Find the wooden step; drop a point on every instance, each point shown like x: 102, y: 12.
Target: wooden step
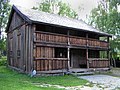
x: 84, y: 73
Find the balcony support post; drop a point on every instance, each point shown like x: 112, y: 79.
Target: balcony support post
x: 87, y: 58
x: 68, y: 50
x: 87, y: 61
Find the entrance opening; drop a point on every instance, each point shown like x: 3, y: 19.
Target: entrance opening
x: 78, y: 58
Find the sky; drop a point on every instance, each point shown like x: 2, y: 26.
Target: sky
x: 82, y: 7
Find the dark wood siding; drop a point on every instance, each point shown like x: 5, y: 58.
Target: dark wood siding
x: 20, y: 44
x: 44, y: 59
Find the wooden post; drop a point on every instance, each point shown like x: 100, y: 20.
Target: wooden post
x: 68, y: 56
x: 87, y: 58
x: 33, y: 46
x: 87, y: 51
x: 108, y: 51
x: 68, y: 51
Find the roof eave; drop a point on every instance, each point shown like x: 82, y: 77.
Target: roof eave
x: 36, y: 22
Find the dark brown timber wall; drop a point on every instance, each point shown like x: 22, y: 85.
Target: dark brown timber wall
x: 20, y: 44
x: 44, y: 59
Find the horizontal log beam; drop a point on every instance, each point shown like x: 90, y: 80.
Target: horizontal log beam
x: 97, y: 59
x: 51, y: 59
x: 52, y: 71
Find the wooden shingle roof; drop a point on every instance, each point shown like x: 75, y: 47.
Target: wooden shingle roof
x: 34, y: 16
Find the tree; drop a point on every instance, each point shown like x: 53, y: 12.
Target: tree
x: 57, y: 7
x: 2, y: 46
x: 4, y: 13
x: 107, y: 18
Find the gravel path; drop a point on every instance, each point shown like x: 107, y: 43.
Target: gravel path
x: 105, y: 82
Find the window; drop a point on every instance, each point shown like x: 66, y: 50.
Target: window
x: 60, y: 52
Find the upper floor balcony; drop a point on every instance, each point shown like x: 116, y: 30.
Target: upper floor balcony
x: 53, y: 38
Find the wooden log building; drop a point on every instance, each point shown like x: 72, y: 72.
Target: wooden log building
x: 49, y: 43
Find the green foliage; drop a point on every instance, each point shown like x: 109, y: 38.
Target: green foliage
x: 2, y: 46
x: 3, y: 61
x: 57, y: 7
x: 4, y: 13
x: 9, y: 78
x: 107, y: 18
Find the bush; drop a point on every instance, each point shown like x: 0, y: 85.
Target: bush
x: 3, y: 61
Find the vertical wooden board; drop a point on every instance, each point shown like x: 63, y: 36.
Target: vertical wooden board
x: 53, y: 64
x: 48, y: 38
x: 14, y: 49
x: 41, y: 52
x: 34, y: 65
x: 53, y: 52
x: 45, y: 65
x: 41, y: 65
x: 30, y: 49
x: 50, y: 64
x: 48, y: 55
x: 52, y: 38
x: 34, y: 52
x: 46, y: 52
x: 38, y: 65
x: 37, y: 36
x: 38, y: 52
x: 41, y: 37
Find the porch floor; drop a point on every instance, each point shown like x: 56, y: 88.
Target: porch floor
x: 82, y: 70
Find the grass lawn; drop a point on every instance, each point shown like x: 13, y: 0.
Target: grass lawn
x: 11, y: 80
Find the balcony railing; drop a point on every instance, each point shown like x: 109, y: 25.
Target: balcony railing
x: 51, y: 38
x: 98, y: 62
x: 78, y: 41
x: 73, y: 40
x: 97, y: 43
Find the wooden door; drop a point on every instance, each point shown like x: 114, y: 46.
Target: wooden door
x: 78, y: 58
x: 11, y: 51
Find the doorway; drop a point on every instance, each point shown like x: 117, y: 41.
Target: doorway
x: 78, y: 58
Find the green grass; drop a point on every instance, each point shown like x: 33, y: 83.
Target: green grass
x: 11, y: 80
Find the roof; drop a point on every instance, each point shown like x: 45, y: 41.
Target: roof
x: 34, y: 16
